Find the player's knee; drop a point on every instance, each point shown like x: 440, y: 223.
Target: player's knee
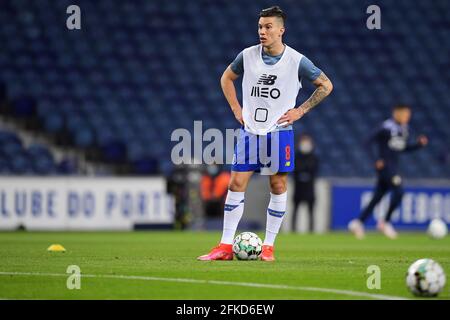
x: 278, y: 187
x: 237, y: 184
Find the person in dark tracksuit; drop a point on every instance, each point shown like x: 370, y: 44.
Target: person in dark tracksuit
x: 390, y: 139
x: 306, y: 167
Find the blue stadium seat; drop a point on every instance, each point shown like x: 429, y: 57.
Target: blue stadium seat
x: 41, y: 159
x: 20, y: 163
x: 24, y: 107
x: 3, y: 93
x: 4, y: 165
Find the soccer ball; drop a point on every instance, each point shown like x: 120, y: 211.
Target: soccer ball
x: 247, y: 246
x: 437, y: 229
x: 425, y: 278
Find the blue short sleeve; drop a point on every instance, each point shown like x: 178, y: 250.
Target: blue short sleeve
x: 307, y: 70
x: 237, y: 66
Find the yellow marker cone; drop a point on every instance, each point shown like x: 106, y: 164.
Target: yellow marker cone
x: 56, y: 248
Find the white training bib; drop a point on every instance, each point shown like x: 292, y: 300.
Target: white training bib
x: 268, y: 91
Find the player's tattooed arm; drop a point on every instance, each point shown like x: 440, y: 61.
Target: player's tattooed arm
x: 323, y: 89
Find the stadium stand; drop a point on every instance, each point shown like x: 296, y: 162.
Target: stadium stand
x: 137, y: 70
x: 35, y: 159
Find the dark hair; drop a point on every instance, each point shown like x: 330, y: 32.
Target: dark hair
x: 274, y: 11
x: 401, y: 107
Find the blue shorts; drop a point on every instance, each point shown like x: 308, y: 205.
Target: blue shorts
x: 268, y: 154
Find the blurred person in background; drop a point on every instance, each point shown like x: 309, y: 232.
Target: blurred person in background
x: 390, y: 139
x: 213, y: 190
x: 184, y: 184
x: 178, y: 186
x: 306, y: 168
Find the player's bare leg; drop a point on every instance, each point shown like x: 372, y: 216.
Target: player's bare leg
x: 239, y: 180
x: 275, y: 213
x: 234, y: 208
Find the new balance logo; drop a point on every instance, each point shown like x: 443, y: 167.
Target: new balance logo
x: 267, y: 80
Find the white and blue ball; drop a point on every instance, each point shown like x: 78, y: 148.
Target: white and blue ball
x: 247, y: 246
x: 425, y: 278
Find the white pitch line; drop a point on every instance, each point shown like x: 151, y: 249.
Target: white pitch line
x: 215, y: 282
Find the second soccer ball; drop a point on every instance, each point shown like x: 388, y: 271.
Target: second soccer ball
x: 437, y: 229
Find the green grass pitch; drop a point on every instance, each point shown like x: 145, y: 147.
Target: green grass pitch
x: 162, y: 265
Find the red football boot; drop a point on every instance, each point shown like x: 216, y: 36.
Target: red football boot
x: 221, y: 252
x: 267, y: 253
